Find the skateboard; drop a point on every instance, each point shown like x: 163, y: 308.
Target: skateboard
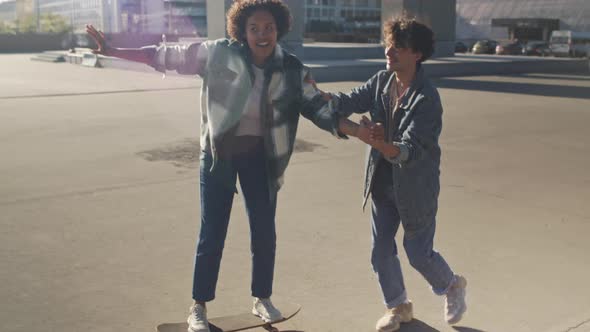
x: 237, y: 322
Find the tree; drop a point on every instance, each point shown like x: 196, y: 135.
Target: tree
x: 26, y: 24
x: 53, y: 23
x: 7, y: 28
x: 48, y: 23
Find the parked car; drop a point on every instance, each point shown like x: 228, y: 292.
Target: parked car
x: 512, y: 48
x: 540, y: 48
x: 485, y: 46
x: 460, y: 47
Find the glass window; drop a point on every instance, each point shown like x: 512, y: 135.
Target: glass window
x: 560, y: 40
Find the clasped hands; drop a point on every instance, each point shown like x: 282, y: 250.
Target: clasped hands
x: 372, y: 133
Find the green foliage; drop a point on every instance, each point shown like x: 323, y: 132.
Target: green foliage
x: 26, y: 24
x: 53, y: 23
x: 48, y: 23
x: 7, y: 28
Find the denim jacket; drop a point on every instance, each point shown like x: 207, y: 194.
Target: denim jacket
x: 416, y: 170
x: 225, y: 67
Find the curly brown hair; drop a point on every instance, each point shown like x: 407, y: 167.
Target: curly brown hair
x: 408, y: 33
x: 240, y: 10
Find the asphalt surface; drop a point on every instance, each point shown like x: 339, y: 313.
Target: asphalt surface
x: 99, y: 207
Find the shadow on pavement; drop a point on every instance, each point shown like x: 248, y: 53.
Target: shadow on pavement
x: 475, y: 57
x: 568, y: 76
x: 417, y: 325
x: 466, y: 329
x: 548, y: 90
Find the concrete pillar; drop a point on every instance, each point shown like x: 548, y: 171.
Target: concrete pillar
x: 440, y: 15
x: 545, y: 33
x: 155, y: 23
x: 292, y: 42
x: 116, y: 15
x: 216, y: 10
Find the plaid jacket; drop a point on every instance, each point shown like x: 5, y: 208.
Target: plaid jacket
x: 225, y: 67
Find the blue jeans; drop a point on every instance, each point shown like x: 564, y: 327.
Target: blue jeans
x: 418, y: 243
x: 217, y: 192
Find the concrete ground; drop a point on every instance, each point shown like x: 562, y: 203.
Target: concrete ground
x: 99, y: 207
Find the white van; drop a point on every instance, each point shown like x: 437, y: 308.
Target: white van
x: 570, y: 43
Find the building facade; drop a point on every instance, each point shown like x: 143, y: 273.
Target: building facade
x: 78, y: 13
x: 8, y: 12
x: 342, y: 11
x: 190, y: 16
x: 170, y: 16
x: 133, y: 16
x: 520, y: 19
x: 343, y: 17
x: 476, y: 19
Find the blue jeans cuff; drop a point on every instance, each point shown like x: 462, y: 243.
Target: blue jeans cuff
x: 444, y: 291
x: 397, y: 301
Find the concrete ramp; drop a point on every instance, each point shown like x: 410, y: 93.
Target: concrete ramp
x: 90, y: 60
x: 49, y: 57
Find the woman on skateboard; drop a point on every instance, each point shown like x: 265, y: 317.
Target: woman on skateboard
x: 251, y: 97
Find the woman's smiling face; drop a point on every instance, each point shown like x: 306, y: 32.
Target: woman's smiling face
x: 261, y: 35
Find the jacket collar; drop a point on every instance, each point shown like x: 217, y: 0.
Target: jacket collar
x: 415, y: 88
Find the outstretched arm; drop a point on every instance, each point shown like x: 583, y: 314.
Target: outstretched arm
x: 316, y: 105
x: 185, y: 59
x: 360, y: 100
x: 367, y: 131
x: 142, y: 55
x: 371, y: 133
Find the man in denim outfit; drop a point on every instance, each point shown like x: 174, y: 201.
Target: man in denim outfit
x: 402, y: 173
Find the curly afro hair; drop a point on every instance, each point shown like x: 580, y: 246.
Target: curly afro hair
x: 409, y: 33
x: 240, y: 10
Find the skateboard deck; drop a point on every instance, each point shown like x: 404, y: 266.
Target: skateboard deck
x: 237, y: 322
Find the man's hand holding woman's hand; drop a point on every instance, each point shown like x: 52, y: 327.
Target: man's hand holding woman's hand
x: 371, y: 132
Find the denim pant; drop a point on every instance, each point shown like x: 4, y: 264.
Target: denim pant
x: 418, y: 243
x: 217, y: 192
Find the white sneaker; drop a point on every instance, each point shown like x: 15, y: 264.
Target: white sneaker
x: 197, y: 319
x: 264, y: 309
x: 392, y: 319
x: 455, y: 305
